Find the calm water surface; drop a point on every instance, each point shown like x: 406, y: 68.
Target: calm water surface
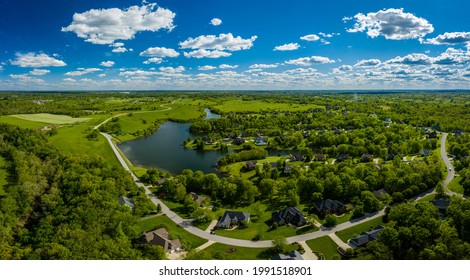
x: 163, y: 149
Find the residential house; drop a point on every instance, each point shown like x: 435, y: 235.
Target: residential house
x: 250, y: 165
x: 288, y: 168
x: 290, y: 215
x: 380, y: 192
x: 367, y: 157
x: 458, y: 132
x: 126, y: 201
x: 238, y: 141
x: 320, y: 157
x: 162, y: 238
x: 432, y: 135
x: 366, y: 236
x: 233, y: 218
x: 305, y: 135
x: 342, y: 157
x: 329, y: 206
x: 297, y: 157
x: 260, y: 141
x: 197, y: 198
x: 161, y: 181
x: 425, y: 153
x: 441, y: 205
x: 293, y: 255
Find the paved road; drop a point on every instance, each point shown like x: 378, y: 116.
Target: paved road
x: 445, y: 158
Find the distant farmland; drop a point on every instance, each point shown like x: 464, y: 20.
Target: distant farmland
x: 51, y: 119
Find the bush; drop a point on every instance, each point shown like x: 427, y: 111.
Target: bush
x: 330, y: 220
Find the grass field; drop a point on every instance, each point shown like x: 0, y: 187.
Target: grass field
x: 3, y: 175
x: 230, y: 252
x: 51, y: 119
x: 326, y: 246
x: 354, y: 231
x: 173, y: 229
x: 261, y: 225
x: 428, y: 198
x: 455, y: 186
x: 258, y: 106
x: 22, y: 123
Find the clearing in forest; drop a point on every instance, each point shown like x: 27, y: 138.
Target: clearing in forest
x: 51, y: 119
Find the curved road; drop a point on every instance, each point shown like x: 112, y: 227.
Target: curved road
x: 449, y: 167
x: 226, y: 240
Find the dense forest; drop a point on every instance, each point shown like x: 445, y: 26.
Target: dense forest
x: 57, y: 207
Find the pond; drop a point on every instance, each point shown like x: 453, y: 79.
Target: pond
x: 163, y: 149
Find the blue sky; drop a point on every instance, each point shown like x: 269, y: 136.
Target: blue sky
x: 238, y: 45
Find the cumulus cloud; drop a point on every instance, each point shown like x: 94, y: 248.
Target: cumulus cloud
x: 206, y: 68
x: 205, y: 53
x: 36, y: 60
x: 307, y: 61
x: 39, y: 72
x: 226, y: 66
x: 411, y: 59
x: 102, y: 75
x: 178, y: 69
x: 393, y: 24
x: 82, y: 71
x: 220, y: 43
x: 452, y: 57
x: 156, y: 60
x: 216, y: 21
x: 264, y: 66
x: 287, y: 47
x: 104, y: 26
x: 108, y: 63
x: 330, y: 35
x: 311, y: 37
x: 449, y: 38
x: 367, y: 63
x: 160, y: 52
x: 121, y: 50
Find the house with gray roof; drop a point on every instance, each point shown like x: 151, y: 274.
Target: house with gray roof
x: 290, y: 215
x: 126, y: 201
x: 233, y: 218
x: 366, y: 236
x: 161, y: 237
x: 293, y: 255
x: 329, y: 206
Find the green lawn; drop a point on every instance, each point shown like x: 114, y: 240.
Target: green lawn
x: 3, y: 175
x: 262, y: 225
x: 22, y: 123
x: 229, y: 252
x: 258, y: 106
x: 455, y: 185
x: 428, y: 198
x: 326, y: 246
x: 354, y: 231
x: 341, y: 219
x: 173, y: 229
x: 72, y: 140
x: 50, y: 119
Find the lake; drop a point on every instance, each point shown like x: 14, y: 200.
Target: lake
x: 163, y: 149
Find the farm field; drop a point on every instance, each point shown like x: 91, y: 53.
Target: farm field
x: 50, y: 119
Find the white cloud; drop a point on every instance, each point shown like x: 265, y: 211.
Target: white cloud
x: 311, y: 37
x: 411, y: 59
x: 121, y: 50
x: 205, y: 53
x: 104, y: 26
x: 287, y: 47
x: 307, y: 61
x: 39, y: 72
x: 206, y: 68
x: 329, y: 35
x: 108, y: 63
x: 178, y: 69
x: 216, y: 21
x: 367, y: 63
x: 82, y: 71
x: 1, y: 67
x: 156, y: 60
x: 451, y: 57
x: 160, y: 52
x: 264, y: 66
x: 102, y: 75
x: 220, y: 43
x: 226, y: 66
x: 69, y: 80
x: 451, y: 38
x: 393, y: 24
x: 36, y: 60
x: 25, y: 79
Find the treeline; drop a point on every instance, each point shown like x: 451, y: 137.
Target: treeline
x: 254, y: 154
x: 417, y: 231
x: 459, y: 147
x: 57, y: 207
